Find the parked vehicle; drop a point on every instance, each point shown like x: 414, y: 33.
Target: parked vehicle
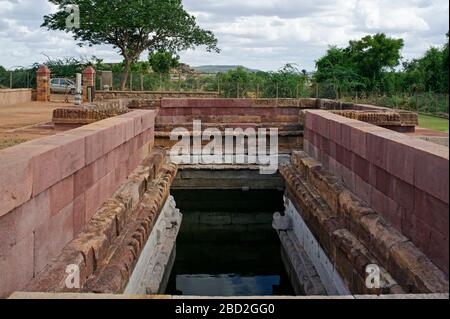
x: 60, y: 85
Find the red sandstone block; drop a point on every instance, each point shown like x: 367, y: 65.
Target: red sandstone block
x: 99, y: 193
x: 178, y: 103
x: 83, y: 180
x: 325, y: 145
x: 324, y: 127
x: 137, y: 117
x: 346, y: 136
x: 339, y: 153
x: 20, y: 222
x: 309, y: 121
x: 333, y: 150
x: 61, y: 195
x: 361, y: 168
x: 417, y: 231
x: 16, y: 265
x: 384, y: 182
x: 335, y: 132
x: 348, y: 178
x: 207, y: 103
x: 121, y: 174
x: 431, y: 174
x: 431, y: 211
x: 149, y: 136
x: 102, y: 166
x: 52, y: 236
x: 16, y: 180
x: 307, y: 134
x: 403, y: 193
x: 79, y: 214
x: 394, y: 214
x: 358, y: 141
x: 347, y: 158
x: 148, y: 120
x: 376, y: 150
x: 362, y: 189
x: 98, y: 143
x: 64, y: 156
x: 400, y: 160
x: 380, y: 203
x: 438, y: 250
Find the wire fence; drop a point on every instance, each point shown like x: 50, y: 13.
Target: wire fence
x: 18, y: 79
x: 424, y: 102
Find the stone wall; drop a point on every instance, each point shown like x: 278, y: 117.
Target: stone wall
x: 89, y: 113
x: 234, y: 113
x: 109, y: 247
x: 14, y: 96
x: 51, y: 187
x: 393, y: 119
x: 347, y: 235
x: 404, y: 179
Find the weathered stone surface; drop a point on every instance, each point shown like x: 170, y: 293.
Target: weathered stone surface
x: 110, y: 243
x: 360, y: 236
x: 415, y: 272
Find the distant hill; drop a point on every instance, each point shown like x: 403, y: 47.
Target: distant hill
x: 219, y: 68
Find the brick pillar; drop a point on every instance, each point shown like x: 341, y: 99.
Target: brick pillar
x: 43, y: 84
x: 88, y: 80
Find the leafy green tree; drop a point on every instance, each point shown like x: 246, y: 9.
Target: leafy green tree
x: 237, y: 82
x: 374, y: 54
x: 286, y: 83
x: 162, y: 61
x: 337, y: 70
x: 132, y: 27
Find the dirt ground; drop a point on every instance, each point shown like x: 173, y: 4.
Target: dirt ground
x: 23, y: 122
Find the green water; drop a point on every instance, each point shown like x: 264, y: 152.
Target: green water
x: 227, y: 247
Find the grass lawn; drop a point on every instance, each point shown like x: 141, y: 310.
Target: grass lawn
x: 433, y: 123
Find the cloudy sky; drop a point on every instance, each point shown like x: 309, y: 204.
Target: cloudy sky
x: 262, y: 34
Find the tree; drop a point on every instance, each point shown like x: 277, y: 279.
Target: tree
x: 337, y: 70
x: 132, y: 27
x: 373, y: 54
x: 163, y: 61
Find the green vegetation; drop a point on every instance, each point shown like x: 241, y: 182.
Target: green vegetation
x: 132, y: 27
x: 220, y: 68
x: 433, y: 123
x: 163, y: 61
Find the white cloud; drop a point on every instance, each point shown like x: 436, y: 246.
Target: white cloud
x: 262, y: 34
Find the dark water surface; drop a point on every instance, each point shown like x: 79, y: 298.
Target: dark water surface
x: 227, y: 247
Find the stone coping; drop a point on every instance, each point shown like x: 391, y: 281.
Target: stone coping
x: 14, y: 90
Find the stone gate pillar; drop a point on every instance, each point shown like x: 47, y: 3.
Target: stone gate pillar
x: 88, y: 80
x: 43, y: 84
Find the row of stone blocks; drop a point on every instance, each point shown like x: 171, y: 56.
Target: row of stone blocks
x: 404, y: 179
x: 353, y: 235
x: 50, y: 187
